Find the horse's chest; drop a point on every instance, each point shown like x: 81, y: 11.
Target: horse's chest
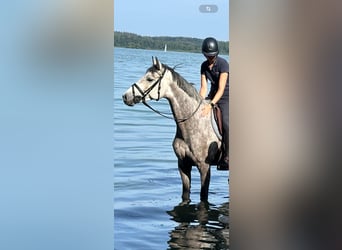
x: 193, y: 141
x: 193, y: 148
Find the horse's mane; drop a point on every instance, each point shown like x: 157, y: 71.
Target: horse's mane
x: 184, y: 84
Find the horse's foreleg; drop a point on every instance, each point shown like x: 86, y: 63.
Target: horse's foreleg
x: 205, y: 180
x: 185, y: 173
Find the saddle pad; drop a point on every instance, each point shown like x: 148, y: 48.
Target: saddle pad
x: 216, y: 122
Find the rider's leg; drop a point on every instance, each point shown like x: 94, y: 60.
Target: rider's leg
x: 224, y: 106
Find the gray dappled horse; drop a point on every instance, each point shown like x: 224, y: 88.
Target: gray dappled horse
x: 195, y: 143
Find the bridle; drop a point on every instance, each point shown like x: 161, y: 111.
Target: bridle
x: 147, y: 92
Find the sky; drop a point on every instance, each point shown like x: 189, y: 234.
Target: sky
x: 173, y: 18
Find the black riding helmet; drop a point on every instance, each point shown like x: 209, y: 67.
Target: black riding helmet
x: 210, y: 47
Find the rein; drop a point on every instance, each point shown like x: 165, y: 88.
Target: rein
x: 171, y: 117
x: 147, y: 91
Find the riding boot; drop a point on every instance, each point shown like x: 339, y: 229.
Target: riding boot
x: 223, y: 163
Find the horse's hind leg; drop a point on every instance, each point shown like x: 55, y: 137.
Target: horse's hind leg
x: 185, y: 173
x: 205, y: 181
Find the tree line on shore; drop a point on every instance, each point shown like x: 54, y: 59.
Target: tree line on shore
x: 182, y: 44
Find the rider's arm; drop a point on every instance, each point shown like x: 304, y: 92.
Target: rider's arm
x: 204, y: 86
x: 222, y: 84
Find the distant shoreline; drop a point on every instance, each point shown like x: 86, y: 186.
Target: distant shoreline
x: 180, y: 44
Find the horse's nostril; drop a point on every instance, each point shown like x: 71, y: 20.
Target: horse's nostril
x: 137, y: 99
x: 124, y: 97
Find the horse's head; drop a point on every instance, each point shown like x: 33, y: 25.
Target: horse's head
x: 149, y: 87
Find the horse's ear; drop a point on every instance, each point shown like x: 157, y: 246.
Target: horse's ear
x: 158, y: 64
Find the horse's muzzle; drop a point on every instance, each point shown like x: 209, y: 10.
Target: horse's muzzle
x: 127, y: 101
x: 130, y: 100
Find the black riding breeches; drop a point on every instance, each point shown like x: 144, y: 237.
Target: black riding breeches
x: 224, y: 106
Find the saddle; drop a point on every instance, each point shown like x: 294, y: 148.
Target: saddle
x: 216, y: 121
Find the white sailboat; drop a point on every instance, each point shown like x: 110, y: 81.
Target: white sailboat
x: 165, y: 48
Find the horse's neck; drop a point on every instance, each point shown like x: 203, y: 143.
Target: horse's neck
x: 182, y: 105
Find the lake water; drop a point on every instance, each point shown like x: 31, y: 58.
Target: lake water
x: 147, y: 185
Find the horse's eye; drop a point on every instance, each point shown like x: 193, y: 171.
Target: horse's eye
x: 149, y: 79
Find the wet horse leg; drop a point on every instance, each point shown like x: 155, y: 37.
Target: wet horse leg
x: 205, y: 181
x: 185, y: 173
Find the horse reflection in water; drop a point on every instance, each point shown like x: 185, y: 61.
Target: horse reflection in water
x: 199, y: 227
x: 195, y: 143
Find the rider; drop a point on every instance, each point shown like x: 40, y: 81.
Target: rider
x: 216, y: 70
